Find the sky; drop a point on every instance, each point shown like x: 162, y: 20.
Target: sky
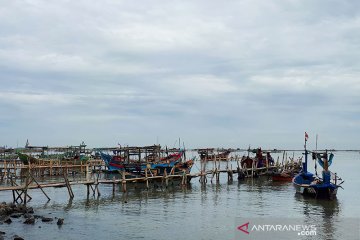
x: 212, y: 73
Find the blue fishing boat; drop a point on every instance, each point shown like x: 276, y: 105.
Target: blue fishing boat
x: 114, y: 164
x: 158, y: 166
x: 309, y: 184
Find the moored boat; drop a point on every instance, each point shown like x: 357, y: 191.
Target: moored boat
x: 27, y: 159
x: 309, y: 184
x: 171, y: 163
x: 283, y: 177
x: 287, y: 172
x: 208, y: 154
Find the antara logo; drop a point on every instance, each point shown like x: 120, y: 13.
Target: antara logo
x: 244, y: 228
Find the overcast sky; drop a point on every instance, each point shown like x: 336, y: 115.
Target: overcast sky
x: 214, y: 73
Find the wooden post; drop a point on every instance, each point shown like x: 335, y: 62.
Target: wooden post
x: 5, y: 168
x: 71, y: 194
x: 146, y: 178
x: 123, y: 182
x: 230, y: 175
x: 252, y: 168
x: 15, y: 167
x: 50, y: 169
x: 39, y: 186
x: 166, y: 179
x: 97, y: 184
x: 13, y: 191
x: 27, y: 184
x: 113, y: 185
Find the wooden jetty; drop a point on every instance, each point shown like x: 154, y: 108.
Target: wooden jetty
x: 20, y: 193
x: 15, y: 168
x: 11, y: 169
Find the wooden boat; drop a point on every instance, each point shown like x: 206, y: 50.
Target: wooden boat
x: 260, y: 160
x: 287, y: 173
x: 26, y: 159
x: 133, y: 168
x: 76, y: 160
x: 309, y: 184
x: 209, y: 155
x: 117, y: 163
x: 283, y: 176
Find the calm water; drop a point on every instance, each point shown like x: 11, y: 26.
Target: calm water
x: 198, y: 211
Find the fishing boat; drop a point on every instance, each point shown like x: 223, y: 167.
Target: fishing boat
x: 288, y: 172
x: 27, y: 159
x: 311, y: 185
x: 170, y: 163
x: 62, y: 155
x: 260, y: 160
x: 208, y: 154
x: 285, y: 176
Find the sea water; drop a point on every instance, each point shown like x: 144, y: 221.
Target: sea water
x: 197, y: 211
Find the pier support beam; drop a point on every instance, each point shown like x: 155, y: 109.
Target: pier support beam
x: 68, y: 186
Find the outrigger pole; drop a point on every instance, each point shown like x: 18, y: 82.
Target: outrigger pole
x: 306, y: 153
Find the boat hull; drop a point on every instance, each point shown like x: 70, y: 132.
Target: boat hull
x: 278, y: 178
x: 309, y: 187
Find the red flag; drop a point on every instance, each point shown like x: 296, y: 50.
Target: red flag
x: 306, y: 136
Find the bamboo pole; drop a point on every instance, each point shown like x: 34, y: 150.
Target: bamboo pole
x: 146, y: 178
x: 123, y: 182
x: 113, y: 185
x: 71, y: 194
x: 40, y: 187
x: 50, y: 170
x: 5, y: 169
x: 26, y: 186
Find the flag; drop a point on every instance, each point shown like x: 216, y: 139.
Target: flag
x: 306, y: 136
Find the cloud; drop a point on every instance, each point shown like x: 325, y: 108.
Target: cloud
x: 198, y: 86
x: 245, y: 71
x: 36, y: 98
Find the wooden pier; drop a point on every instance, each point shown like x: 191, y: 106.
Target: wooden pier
x: 16, y: 169
x: 20, y: 193
x: 10, y: 170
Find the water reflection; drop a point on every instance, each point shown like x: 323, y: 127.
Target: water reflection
x: 324, y: 213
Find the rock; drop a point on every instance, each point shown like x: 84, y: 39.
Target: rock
x: 3, y: 212
x: 27, y: 215
x: 8, y: 210
x: 16, y: 215
x: 60, y: 221
x: 8, y: 220
x: 1, y: 232
x: 45, y: 219
x: 30, y: 220
x: 12, y: 205
x: 21, y: 208
x: 16, y: 237
x: 30, y: 210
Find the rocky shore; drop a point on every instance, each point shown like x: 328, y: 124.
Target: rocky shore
x: 10, y: 211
